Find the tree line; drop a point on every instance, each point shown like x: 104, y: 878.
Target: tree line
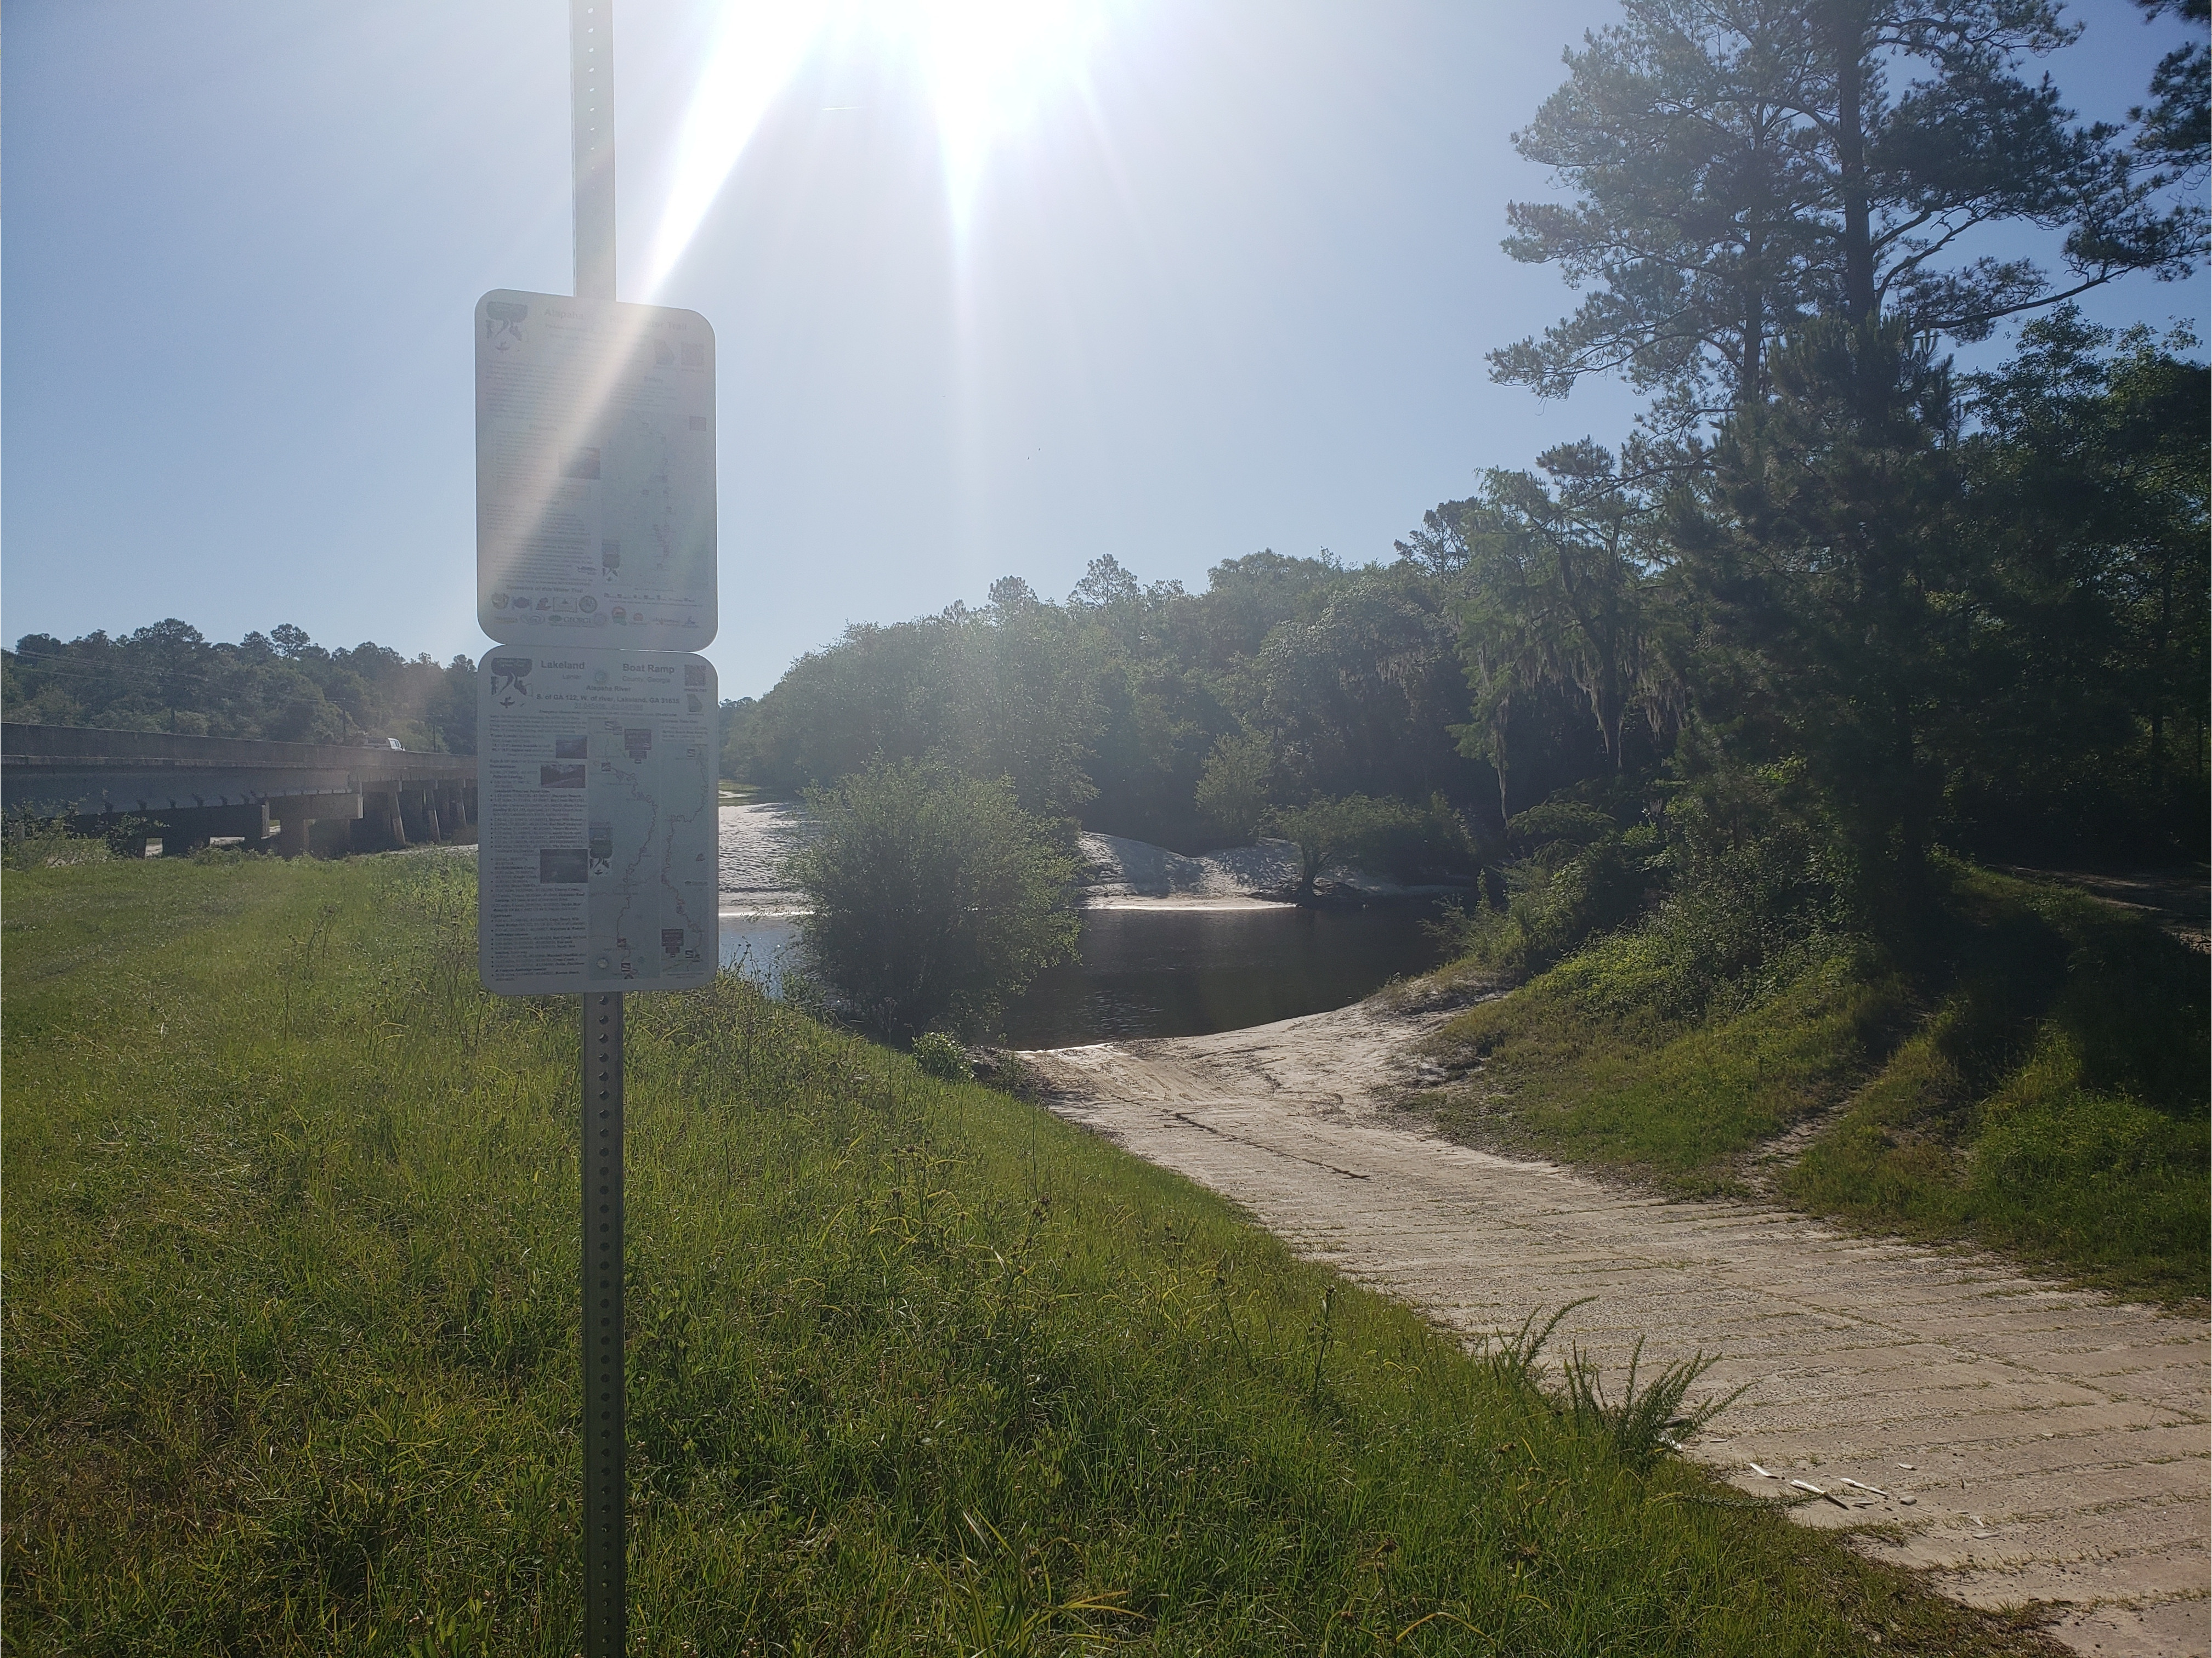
x: 280, y: 686
x: 1973, y: 606
x: 1827, y: 572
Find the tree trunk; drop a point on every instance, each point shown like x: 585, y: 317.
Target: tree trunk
x: 2158, y: 678
x: 1754, y: 321
x: 1849, y: 21
x: 1753, y: 367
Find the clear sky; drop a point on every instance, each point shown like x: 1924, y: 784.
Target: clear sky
x: 998, y: 287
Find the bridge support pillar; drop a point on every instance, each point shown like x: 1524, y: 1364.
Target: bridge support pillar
x: 381, y: 827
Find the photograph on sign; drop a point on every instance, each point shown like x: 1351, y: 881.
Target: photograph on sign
x: 595, y: 473
x: 596, y: 866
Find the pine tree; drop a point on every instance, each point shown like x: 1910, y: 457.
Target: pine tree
x: 1741, y: 166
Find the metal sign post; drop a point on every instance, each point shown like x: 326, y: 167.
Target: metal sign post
x: 596, y: 554
x: 606, y: 1479
x: 595, y: 874
x: 607, y: 1473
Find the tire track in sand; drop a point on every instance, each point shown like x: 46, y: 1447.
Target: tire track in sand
x: 2029, y: 1442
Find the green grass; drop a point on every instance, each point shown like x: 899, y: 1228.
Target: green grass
x: 2037, y: 1084
x: 289, y: 1321
x: 2053, y: 1103
x: 1556, y: 1067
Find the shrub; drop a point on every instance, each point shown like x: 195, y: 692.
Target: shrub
x: 1557, y: 899
x: 1406, y: 842
x: 941, y: 1057
x: 29, y: 842
x: 935, y: 897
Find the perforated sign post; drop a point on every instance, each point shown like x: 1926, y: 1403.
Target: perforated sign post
x: 596, y: 726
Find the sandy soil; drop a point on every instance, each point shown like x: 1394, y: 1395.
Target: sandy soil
x: 756, y: 837
x: 2016, y: 1440
x: 1125, y: 874
x: 1120, y: 868
x: 2179, y: 900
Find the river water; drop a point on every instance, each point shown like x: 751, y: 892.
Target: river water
x: 1166, y: 968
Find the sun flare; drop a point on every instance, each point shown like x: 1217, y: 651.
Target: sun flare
x: 991, y: 67
x: 987, y: 67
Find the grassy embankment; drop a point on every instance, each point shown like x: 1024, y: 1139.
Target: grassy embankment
x: 289, y: 1323
x: 2040, y: 1085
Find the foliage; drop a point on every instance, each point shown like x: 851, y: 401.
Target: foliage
x: 1741, y: 170
x: 1584, y: 1063
x: 1823, y: 560
x: 1555, y: 590
x: 1640, y: 1424
x: 1141, y: 709
x: 291, y: 1321
x: 939, y: 1056
x: 738, y: 723
x: 1002, y: 695
x: 935, y: 897
x: 1555, y: 900
x: 281, y: 686
x: 1973, y: 613
x: 29, y: 843
x: 1997, y: 639
x: 2054, y: 1101
x: 2086, y: 660
x: 1967, y: 612
x: 1407, y: 842
x: 2175, y: 139
x: 1359, y: 698
x: 1234, y: 788
x: 2036, y: 1082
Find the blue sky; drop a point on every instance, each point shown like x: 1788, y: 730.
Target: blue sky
x: 1174, y: 280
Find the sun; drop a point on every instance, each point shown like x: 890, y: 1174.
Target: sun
x: 992, y: 66
x: 988, y: 68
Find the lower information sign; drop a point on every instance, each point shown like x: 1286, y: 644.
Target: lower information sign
x: 596, y: 863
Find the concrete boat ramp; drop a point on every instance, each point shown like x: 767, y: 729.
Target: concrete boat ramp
x: 2017, y: 1440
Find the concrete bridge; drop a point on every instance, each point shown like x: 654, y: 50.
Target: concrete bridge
x: 292, y: 798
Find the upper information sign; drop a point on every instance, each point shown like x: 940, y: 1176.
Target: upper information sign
x: 597, y: 826
x: 595, y: 473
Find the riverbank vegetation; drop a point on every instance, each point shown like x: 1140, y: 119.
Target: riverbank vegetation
x: 1716, y: 723
x: 933, y: 899
x: 1967, y: 610
x: 1733, y: 714
x: 291, y: 1321
x: 2032, y: 1077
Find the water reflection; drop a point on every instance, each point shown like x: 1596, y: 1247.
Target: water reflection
x: 762, y: 947
x: 1185, y: 972
x: 1173, y: 972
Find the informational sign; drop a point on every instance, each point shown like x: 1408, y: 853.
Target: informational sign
x: 597, y: 821
x: 595, y: 473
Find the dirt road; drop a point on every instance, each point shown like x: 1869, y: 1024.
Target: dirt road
x: 2020, y: 1441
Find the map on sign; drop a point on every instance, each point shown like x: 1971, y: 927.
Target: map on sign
x: 595, y: 473
x: 598, y: 837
